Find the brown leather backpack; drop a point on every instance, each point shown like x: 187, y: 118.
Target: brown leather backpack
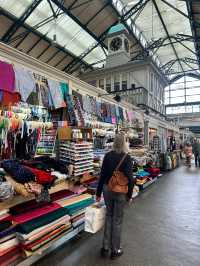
x: 118, y: 182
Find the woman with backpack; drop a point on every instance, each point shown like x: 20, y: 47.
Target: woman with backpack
x: 116, y: 182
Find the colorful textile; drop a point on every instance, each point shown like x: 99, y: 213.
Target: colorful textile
x: 7, y: 245
x: 70, y: 201
x: 13, y: 257
x: 78, y: 206
x: 8, y: 231
x: 33, y: 204
x: 7, y: 77
x: 5, y: 217
x: 40, y: 221
x: 5, y: 225
x: 56, y: 94
x: 51, y: 238
x: 47, y: 238
x: 32, y: 214
x: 17, y: 171
x: 25, y: 83
x: 65, y: 90
x: 10, y: 98
x: 42, y: 177
x: 40, y: 231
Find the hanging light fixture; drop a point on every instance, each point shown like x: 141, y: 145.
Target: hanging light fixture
x: 55, y: 30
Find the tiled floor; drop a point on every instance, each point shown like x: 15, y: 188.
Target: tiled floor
x: 162, y: 228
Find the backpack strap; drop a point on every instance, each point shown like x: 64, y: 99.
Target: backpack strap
x: 121, y: 161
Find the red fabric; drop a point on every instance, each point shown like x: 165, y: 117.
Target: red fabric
x: 5, y: 218
x: 10, y: 99
x: 42, y: 177
x: 22, y: 218
x: 34, y: 205
x: 153, y: 171
x: 12, y: 249
x: 10, y: 257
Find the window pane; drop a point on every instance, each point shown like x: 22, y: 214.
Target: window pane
x: 177, y: 93
x: 193, y: 98
x: 177, y: 100
x: 193, y: 91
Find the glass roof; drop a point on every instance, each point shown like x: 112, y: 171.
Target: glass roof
x: 68, y: 33
x: 149, y: 23
x: 146, y: 25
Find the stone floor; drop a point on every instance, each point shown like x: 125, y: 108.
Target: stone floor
x: 161, y: 228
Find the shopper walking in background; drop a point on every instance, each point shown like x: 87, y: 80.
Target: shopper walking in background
x: 115, y: 161
x: 196, y: 152
x: 188, y: 154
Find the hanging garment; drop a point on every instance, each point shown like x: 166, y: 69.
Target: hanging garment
x: 56, y: 94
x: 24, y: 82
x: 10, y: 98
x: 7, y: 77
x: 65, y: 90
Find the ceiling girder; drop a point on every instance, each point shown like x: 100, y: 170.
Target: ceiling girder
x: 167, y: 33
x: 20, y: 21
x: 133, y: 10
x: 40, y: 35
x: 194, y: 30
x: 68, y: 12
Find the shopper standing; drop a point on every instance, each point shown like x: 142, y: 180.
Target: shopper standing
x: 115, y: 201
x: 196, y: 152
x: 188, y: 154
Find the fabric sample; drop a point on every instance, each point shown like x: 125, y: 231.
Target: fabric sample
x: 7, y: 77
x: 24, y: 82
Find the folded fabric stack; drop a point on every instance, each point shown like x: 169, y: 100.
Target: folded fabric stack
x: 142, y: 177
x: 37, y: 228
x: 92, y: 187
x: 154, y: 172
x: 38, y: 225
x: 76, y: 206
x: 10, y: 252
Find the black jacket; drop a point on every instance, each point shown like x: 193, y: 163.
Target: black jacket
x: 109, y: 165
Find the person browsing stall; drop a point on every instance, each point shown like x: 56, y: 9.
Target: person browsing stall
x: 116, y: 182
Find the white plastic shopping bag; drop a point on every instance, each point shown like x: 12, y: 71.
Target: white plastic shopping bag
x: 94, y: 218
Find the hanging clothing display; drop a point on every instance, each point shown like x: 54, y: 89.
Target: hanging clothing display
x: 24, y: 82
x: 7, y: 77
x: 56, y: 93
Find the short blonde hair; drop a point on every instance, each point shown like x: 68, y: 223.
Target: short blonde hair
x: 120, y: 145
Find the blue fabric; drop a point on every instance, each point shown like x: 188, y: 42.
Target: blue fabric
x: 20, y: 173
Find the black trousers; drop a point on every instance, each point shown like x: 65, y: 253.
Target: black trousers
x: 115, y: 203
x: 197, y: 159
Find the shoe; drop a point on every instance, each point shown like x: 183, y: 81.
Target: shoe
x: 104, y: 252
x: 116, y: 254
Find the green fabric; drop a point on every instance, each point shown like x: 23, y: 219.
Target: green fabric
x: 33, y: 224
x: 64, y: 89
x: 78, y: 206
